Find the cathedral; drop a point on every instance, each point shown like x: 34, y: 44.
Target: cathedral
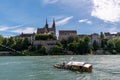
x: 47, y: 30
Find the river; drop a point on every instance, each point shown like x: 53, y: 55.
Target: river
x: 105, y: 67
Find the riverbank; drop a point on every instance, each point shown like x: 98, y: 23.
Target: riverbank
x: 34, y: 54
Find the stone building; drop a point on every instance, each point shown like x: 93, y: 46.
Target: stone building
x: 29, y: 36
x: 108, y: 35
x: 64, y: 34
x: 95, y: 37
x: 81, y: 36
x: 48, y: 43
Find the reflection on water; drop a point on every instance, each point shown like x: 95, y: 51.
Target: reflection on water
x: 105, y: 67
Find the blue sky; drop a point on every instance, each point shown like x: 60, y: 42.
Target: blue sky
x: 85, y: 16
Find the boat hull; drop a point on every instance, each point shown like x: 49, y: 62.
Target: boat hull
x: 74, y: 68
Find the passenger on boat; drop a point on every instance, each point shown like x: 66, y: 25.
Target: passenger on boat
x: 63, y: 65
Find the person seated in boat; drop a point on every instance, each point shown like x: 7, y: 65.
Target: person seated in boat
x: 63, y: 65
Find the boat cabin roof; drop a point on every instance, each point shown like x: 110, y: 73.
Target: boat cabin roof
x: 75, y: 63
x: 87, y: 65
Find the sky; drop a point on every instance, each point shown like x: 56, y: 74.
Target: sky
x: 85, y: 16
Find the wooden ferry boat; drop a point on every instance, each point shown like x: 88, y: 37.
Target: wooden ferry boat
x: 76, y: 66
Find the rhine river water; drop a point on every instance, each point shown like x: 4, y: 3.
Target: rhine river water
x: 105, y: 67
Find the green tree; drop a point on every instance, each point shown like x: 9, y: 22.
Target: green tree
x: 73, y: 47
x: 31, y: 48
x: 25, y: 43
x: 64, y: 43
x: 10, y: 42
x: 86, y: 44
x: 52, y: 37
x: 102, y: 40
x: 59, y: 44
x: 43, y: 50
x: 41, y: 37
x: 117, y: 44
x: 18, y: 44
x: 1, y: 39
x: 4, y: 42
x: 86, y: 39
x: 73, y: 39
x: 45, y: 37
x: 56, y: 50
x: 81, y: 47
x: 77, y: 38
x: 70, y: 39
x: 113, y: 45
x: 95, y: 45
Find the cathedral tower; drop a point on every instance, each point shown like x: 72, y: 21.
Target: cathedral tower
x: 54, y: 27
x: 46, y: 25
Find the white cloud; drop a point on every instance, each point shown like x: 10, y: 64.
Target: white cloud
x: 85, y: 21
x: 3, y: 28
x: 49, y: 1
x: 107, y: 10
x: 25, y: 30
x: 64, y: 21
x: 6, y: 28
x: 14, y: 27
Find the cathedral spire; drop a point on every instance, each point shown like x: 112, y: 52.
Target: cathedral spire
x: 46, y: 25
x: 54, y: 26
x: 46, y: 21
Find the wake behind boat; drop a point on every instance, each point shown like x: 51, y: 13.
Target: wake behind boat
x: 75, y: 65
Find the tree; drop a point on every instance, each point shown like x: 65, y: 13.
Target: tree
x: 59, y: 44
x: 25, y: 43
x: 10, y: 41
x: 113, y: 45
x: 64, y: 43
x: 81, y: 47
x: 43, y: 50
x: 41, y: 37
x: 1, y: 39
x: 117, y: 44
x: 17, y: 45
x: 45, y: 37
x: 31, y: 48
x: 70, y: 39
x: 73, y: 47
x: 86, y: 39
x: 77, y: 38
x: 86, y: 44
x: 73, y: 39
x: 110, y: 44
x: 102, y: 40
x: 52, y: 37
x: 95, y: 45
x: 4, y: 42
x: 56, y: 50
